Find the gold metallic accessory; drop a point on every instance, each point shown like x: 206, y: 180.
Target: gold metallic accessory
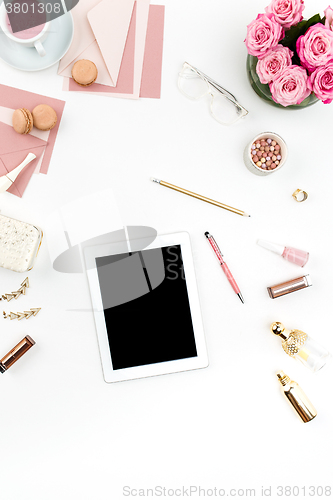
x: 199, y: 197
x: 289, y: 286
x: 18, y: 293
x: 292, y: 340
x: 300, y: 346
x: 297, y: 398
x: 16, y: 353
x: 19, y: 315
x: 300, y: 195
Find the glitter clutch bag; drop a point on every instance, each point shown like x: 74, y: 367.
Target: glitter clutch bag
x: 19, y: 244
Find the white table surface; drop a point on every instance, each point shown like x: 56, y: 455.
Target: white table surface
x: 67, y: 434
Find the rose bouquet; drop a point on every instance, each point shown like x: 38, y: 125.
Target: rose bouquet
x: 294, y: 57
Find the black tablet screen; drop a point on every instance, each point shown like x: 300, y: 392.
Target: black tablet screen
x: 146, y: 307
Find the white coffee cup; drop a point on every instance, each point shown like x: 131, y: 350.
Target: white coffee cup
x: 35, y: 41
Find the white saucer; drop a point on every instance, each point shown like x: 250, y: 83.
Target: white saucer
x: 56, y: 45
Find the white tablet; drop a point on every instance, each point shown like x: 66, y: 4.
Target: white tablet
x: 146, y: 307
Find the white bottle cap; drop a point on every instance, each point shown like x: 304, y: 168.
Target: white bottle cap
x: 273, y: 247
x: 14, y: 173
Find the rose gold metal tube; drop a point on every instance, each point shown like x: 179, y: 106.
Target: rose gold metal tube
x: 289, y: 286
x: 16, y: 353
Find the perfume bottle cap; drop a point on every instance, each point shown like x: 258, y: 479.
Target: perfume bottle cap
x: 278, y: 329
x: 292, y: 341
x: 273, y: 247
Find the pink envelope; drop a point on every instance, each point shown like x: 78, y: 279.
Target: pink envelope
x: 150, y: 80
x: 13, y: 98
x: 141, y: 16
x: 126, y: 73
x: 110, y: 21
x: 85, y: 46
x: 83, y: 34
x: 14, y: 148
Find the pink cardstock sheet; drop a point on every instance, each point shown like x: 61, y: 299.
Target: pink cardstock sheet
x: 110, y: 21
x: 83, y: 34
x: 152, y: 63
x: 142, y: 11
x: 14, y: 98
x: 14, y: 147
x: 126, y: 72
x: 85, y: 45
x: 11, y: 157
x: 147, y: 80
x: 6, y: 116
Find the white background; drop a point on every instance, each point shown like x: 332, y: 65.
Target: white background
x: 67, y: 434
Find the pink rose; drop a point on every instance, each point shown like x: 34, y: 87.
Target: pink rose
x: 263, y: 34
x: 321, y: 82
x: 315, y: 48
x: 291, y: 86
x: 273, y: 63
x: 286, y: 12
x: 329, y: 18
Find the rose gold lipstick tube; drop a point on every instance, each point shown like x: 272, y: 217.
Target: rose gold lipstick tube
x: 16, y: 353
x: 289, y: 286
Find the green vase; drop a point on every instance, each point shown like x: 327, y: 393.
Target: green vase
x: 263, y: 89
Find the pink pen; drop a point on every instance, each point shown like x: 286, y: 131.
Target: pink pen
x: 224, y: 266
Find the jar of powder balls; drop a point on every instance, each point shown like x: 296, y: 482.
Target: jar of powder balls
x: 266, y: 153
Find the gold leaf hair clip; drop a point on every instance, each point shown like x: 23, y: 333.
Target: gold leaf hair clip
x: 19, y: 315
x: 15, y: 295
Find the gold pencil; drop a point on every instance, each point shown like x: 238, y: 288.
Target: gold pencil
x: 199, y: 197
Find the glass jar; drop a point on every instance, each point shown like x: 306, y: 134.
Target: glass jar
x: 264, y: 92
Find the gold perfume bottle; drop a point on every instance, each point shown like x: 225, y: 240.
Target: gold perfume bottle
x: 297, y: 398
x: 299, y: 345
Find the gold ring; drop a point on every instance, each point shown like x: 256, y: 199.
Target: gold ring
x: 300, y: 195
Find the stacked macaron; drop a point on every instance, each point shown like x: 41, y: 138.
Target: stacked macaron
x: 22, y: 121
x: 42, y: 117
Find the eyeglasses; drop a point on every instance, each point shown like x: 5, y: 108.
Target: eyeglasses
x: 224, y: 107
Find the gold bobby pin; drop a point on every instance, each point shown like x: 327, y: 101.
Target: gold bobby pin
x: 20, y: 291
x: 19, y: 315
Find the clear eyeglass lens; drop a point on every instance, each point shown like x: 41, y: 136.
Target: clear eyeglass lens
x: 191, y: 84
x: 223, y: 110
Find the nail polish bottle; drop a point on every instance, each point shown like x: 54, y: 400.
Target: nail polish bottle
x: 299, y: 345
x: 297, y: 398
x: 298, y: 257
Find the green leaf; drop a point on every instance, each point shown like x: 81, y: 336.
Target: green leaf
x: 313, y: 20
x: 293, y: 34
x: 300, y: 29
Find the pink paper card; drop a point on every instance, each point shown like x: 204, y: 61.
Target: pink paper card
x: 92, y: 53
x: 142, y: 11
x: 14, y: 98
x: 150, y: 79
x: 126, y: 72
x: 11, y: 156
x: 6, y: 115
x: 110, y: 21
x: 83, y: 34
x: 152, y: 62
